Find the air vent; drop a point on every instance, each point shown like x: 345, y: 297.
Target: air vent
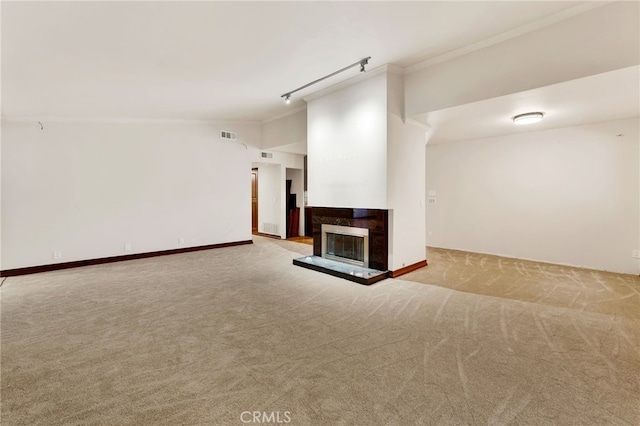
x: 266, y: 155
x: 227, y: 135
x: 270, y: 228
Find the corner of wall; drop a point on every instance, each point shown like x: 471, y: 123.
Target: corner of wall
x: 395, y: 94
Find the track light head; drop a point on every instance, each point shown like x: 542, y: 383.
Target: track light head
x: 287, y: 98
x: 363, y: 63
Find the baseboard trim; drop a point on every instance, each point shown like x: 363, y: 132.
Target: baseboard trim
x: 275, y: 237
x: 102, y: 260
x: 407, y: 269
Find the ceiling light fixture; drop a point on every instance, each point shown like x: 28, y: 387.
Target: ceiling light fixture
x: 361, y: 62
x: 528, y: 118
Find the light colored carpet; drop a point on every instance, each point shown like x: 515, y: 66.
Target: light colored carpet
x: 540, y: 283
x: 198, y: 338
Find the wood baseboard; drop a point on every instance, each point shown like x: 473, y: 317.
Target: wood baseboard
x: 275, y: 237
x: 99, y: 261
x: 407, y: 269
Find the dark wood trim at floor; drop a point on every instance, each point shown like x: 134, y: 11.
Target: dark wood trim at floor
x: 407, y: 269
x: 276, y: 237
x: 99, y: 261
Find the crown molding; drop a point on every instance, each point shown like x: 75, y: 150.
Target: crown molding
x: 114, y: 120
x: 394, y: 69
x: 353, y: 80
x: 507, y: 35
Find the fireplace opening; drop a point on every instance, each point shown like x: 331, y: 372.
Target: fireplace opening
x: 347, y: 247
x: 346, y: 244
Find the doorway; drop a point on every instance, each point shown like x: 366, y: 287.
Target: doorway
x: 254, y: 201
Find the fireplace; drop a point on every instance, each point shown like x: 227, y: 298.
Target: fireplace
x: 345, y: 244
x: 349, y: 243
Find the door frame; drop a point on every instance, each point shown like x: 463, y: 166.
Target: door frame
x: 254, y: 213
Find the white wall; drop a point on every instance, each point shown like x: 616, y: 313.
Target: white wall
x: 347, y: 146
x: 600, y: 40
x: 405, y: 182
x: 406, y: 193
x: 271, y: 202
x: 568, y: 196
x: 89, y: 188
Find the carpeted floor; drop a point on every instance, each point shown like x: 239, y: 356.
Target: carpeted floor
x: 200, y: 338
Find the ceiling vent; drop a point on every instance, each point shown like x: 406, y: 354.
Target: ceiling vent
x: 231, y: 136
x: 266, y: 155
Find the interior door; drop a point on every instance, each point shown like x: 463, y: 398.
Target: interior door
x: 254, y: 200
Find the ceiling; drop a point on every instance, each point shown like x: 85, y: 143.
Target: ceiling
x: 602, y: 97
x: 224, y: 60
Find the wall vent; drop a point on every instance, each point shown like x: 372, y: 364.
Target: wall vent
x: 224, y: 134
x: 266, y: 155
x: 270, y: 228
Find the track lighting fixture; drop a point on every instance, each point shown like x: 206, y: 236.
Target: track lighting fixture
x: 361, y: 62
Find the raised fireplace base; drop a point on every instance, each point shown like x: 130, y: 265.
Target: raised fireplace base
x: 349, y: 272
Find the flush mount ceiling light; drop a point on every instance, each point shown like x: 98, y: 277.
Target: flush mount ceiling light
x: 361, y: 62
x: 528, y: 118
